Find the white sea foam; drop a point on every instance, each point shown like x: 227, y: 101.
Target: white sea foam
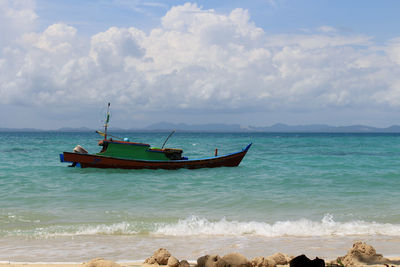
x: 300, y: 228
x: 122, y: 228
x: 195, y: 226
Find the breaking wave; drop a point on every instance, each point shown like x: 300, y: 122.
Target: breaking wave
x: 123, y: 228
x: 195, y: 226
x: 300, y: 228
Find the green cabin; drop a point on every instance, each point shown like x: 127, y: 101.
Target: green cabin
x: 138, y: 151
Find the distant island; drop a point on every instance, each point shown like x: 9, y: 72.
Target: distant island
x: 276, y: 128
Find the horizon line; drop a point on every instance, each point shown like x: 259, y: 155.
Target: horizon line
x: 208, y: 127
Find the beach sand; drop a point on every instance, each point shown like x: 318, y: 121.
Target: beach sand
x: 22, y: 264
x: 390, y: 262
x: 144, y: 265
x: 360, y: 254
x: 125, y: 264
x: 27, y: 264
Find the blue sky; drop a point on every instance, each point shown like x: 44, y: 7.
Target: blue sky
x: 247, y: 62
x: 375, y: 18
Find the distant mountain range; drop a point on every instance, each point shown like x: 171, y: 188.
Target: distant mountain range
x: 279, y: 127
x: 165, y: 126
x: 323, y: 128
x: 276, y: 128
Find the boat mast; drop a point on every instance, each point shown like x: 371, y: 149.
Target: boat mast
x: 168, y: 138
x: 107, y: 120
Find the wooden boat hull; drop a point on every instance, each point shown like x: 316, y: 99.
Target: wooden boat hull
x: 98, y: 161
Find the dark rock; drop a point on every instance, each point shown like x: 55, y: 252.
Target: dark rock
x: 303, y: 261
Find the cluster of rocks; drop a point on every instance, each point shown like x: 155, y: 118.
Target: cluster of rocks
x: 239, y: 260
x: 163, y: 257
x: 271, y: 261
x: 360, y: 254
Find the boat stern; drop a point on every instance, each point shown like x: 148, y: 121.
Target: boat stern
x: 74, y: 164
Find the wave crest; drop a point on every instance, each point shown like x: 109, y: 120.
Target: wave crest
x: 122, y: 228
x: 196, y: 226
x: 299, y: 228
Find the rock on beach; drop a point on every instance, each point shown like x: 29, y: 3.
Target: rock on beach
x: 173, y: 262
x: 236, y: 260
x: 99, y: 262
x: 160, y: 257
x: 211, y: 261
x: 362, y: 254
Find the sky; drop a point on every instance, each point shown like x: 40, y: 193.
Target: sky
x: 252, y: 63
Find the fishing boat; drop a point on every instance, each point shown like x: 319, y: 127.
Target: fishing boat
x: 123, y: 154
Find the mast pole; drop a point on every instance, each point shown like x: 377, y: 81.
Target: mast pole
x: 168, y: 138
x: 107, y: 120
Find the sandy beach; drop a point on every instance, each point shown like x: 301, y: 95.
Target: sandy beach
x: 360, y: 254
x: 27, y: 264
x: 128, y: 264
x: 60, y: 264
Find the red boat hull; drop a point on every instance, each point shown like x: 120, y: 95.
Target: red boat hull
x: 96, y: 161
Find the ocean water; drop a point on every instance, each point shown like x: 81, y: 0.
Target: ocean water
x: 293, y: 193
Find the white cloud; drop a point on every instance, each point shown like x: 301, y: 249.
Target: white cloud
x: 197, y: 59
x: 57, y: 39
x: 393, y: 50
x: 112, y: 47
x: 16, y: 18
x: 316, y: 41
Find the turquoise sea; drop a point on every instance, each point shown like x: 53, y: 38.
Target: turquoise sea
x: 293, y: 193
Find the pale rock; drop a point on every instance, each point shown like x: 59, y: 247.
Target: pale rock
x: 151, y: 260
x: 162, y: 255
x: 173, y: 262
x: 236, y: 260
x: 99, y: 262
x: 211, y: 261
x: 257, y: 262
x: 280, y: 258
x: 263, y: 262
x: 184, y: 263
x: 362, y: 254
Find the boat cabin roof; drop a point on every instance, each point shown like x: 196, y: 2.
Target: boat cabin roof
x: 122, y: 142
